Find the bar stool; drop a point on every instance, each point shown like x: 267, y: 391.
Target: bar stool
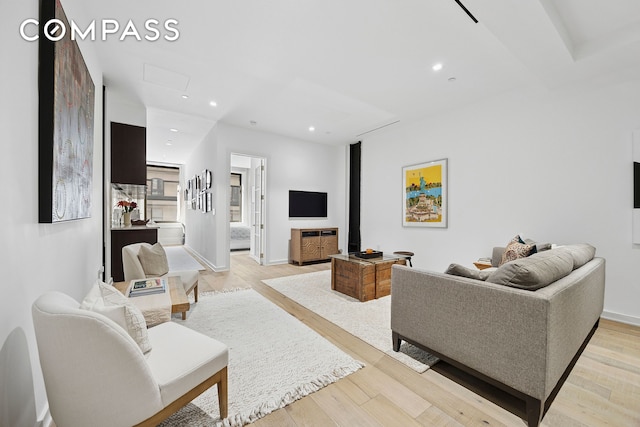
x: 405, y: 254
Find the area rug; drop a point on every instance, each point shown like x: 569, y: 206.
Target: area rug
x: 180, y: 260
x: 274, y: 359
x: 369, y: 321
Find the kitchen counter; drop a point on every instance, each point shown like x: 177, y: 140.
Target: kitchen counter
x: 133, y: 227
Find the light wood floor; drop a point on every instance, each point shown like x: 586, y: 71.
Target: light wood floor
x: 602, y: 390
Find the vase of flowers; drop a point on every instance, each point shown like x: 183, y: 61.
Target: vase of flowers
x: 127, y: 208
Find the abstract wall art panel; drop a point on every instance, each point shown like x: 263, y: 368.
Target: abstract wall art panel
x: 66, y: 124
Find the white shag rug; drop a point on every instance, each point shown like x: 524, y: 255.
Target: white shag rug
x: 369, y: 321
x: 181, y: 260
x: 274, y: 359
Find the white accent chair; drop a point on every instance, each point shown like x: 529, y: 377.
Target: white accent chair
x: 96, y: 375
x: 133, y: 269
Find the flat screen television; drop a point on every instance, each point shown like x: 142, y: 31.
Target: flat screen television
x: 307, y: 204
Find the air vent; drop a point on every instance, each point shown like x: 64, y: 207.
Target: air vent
x: 378, y: 128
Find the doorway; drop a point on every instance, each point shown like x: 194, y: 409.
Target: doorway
x: 247, y: 229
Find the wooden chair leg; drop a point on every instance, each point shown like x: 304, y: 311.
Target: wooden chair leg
x: 222, y: 394
x: 195, y: 292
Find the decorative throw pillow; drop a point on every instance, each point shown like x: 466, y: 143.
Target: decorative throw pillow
x: 136, y: 325
x: 517, y: 248
x: 462, y: 271
x: 110, y: 302
x: 153, y: 260
x: 94, y: 302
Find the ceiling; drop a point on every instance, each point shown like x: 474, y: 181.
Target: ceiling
x: 348, y: 67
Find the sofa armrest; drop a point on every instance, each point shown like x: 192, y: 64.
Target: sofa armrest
x: 505, y: 333
x: 496, y: 256
x: 575, y: 304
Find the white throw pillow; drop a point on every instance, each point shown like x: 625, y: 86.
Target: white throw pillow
x: 94, y: 302
x: 107, y: 300
x: 136, y: 325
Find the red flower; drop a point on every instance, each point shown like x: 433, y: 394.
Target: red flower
x: 127, y: 206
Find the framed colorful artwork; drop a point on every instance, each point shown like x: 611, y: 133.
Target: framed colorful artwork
x: 66, y: 125
x: 424, y: 194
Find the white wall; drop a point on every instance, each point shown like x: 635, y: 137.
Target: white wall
x: 290, y: 164
x: 201, y: 233
x: 35, y: 257
x: 555, y: 166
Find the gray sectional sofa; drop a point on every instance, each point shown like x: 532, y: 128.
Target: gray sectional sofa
x: 520, y: 327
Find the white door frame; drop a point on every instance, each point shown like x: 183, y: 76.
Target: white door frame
x: 257, y: 217
x: 257, y: 212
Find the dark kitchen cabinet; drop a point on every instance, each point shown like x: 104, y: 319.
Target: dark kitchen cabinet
x: 128, y: 154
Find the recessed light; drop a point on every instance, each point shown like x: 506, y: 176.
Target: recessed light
x: 173, y: 130
x: 213, y: 103
x: 437, y: 67
x: 311, y: 128
x: 451, y: 79
x: 185, y: 96
x: 253, y: 123
x: 168, y: 144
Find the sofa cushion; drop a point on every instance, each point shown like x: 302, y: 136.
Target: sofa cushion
x: 534, y: 272
x: 462, y: 271
x: 581, y: 253
x: 516, y: 249
x: 153, y: 260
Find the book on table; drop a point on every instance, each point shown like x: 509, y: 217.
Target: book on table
x: 483, y: 263
x: 147, y: 286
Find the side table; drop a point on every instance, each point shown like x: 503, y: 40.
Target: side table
x: 363, y: 279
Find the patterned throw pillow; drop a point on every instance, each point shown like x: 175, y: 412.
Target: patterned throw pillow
x: 517, y: 248
x: 153, y: 260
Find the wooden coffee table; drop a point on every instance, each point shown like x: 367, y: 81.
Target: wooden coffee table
x: 179, y: 299
x: 363, y: 279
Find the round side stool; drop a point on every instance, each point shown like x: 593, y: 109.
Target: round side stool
x: 406, y: 254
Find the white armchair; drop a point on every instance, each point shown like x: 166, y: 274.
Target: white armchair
x: 133, y: 269
x: 95, y: 374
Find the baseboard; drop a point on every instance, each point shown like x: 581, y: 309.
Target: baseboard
x: 199, y: 257
x: 622, y: 318
x: 277, y: 261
